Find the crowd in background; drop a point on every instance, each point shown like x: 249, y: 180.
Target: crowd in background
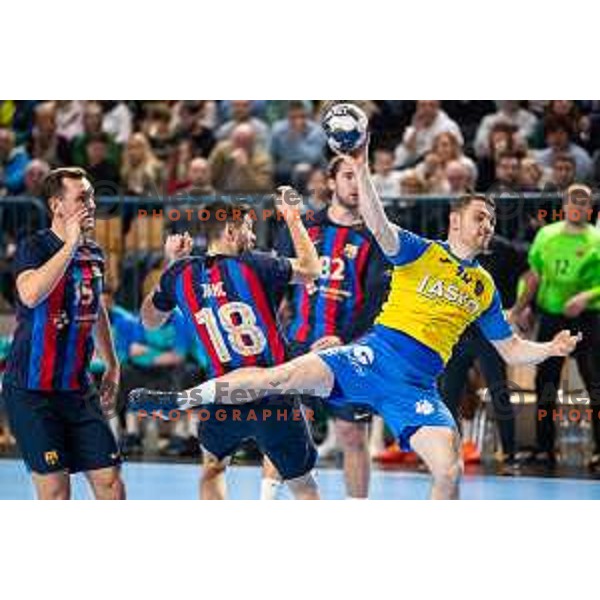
x: 160, y: 149
x: 419, y: 147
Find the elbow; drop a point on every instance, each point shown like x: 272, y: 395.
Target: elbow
x: 28, y: 298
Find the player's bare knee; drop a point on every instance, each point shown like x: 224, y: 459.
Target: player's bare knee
x: 107, y: 484
x: 304, y: 487
x: 352, y: 436
x: 449, y: 473
x: 212, y: 467
x: 53, y: 489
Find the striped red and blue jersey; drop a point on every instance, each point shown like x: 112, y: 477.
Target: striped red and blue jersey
x: 53, y: 343
x: 354, y: 282
x: 231, y: 304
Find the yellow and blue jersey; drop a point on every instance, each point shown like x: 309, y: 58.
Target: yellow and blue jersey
x: 393, y: 369
x: 435, y: 296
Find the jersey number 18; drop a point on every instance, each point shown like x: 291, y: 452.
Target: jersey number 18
x: 243, y: 334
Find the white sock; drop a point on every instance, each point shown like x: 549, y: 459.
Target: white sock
x: 269, y: 488
x: 204, y: 393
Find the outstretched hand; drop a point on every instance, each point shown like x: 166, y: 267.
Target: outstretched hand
x: 564, y: 343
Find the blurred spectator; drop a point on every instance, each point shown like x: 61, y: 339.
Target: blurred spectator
x: 157, y: 128
x: 178, y: 165
x: 385, y: 179
x: 530, y: 175
x: 502, y: 138
x: 117, y: 120
x: 509, y: 111
x: 97, y: 165
x: 297, y: 143
x: 35, y: 173
x: 412, y: 184
x: 566, y: 109
x: 468, y: 113
x: 446, y: 147
x: 240, y: 165
x: 427, y: 122
x: 507, y: 172
x: 258, y: 108
x: 563, y: 172
x: 13, y: 162
x: 199, y: 178
x: 92, y: 125
x: 45, y: 143
x: 241, y: 112
x: 559, y: 133
x: 141, y: 171
x: 191, y: 127
x: 69, y: 118
x: 458, y: 177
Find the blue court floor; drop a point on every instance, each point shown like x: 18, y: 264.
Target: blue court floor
x: 180, y: 481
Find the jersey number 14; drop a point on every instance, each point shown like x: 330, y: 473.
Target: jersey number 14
x: 238, y: 322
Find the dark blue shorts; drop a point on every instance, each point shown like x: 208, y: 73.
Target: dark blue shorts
x: 278, y: 426
x: 58, y: 431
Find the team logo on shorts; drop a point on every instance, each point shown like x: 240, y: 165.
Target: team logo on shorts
x: 361, y: 357
x: 424, y: 407
x: 51, y: 458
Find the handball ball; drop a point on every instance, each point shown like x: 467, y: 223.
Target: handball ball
x: 346, y: 127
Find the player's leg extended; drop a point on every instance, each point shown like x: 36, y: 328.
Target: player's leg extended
x: 52, y: 486
x: 354, y: 439
x: 271, y: 480
x: 306, y: 374
x: 304, y: 487
x: 107, y: 483
x: 439, y: 447
x: 213, y: 485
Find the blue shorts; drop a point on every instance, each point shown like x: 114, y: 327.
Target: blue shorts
x: 60, y: 431
x: 277, y: 424
x: 351, y: 413
x: 393, y: 374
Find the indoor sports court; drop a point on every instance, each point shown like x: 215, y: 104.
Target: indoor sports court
x: 160, y: 481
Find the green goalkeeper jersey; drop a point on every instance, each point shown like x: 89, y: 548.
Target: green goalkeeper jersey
x: 567, y: 264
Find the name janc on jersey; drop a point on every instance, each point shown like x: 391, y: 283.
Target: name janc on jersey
x: 433, y: 289
x: 213, y: 290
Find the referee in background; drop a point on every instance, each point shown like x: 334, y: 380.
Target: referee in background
x: 564, y: 283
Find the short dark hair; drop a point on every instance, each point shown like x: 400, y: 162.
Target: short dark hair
x: 564, y: 157
x: 296, y: 105
x: 462, y: 202
x: 555, y: 123
x: 101, y: 136
x: 53, y: 182
x: 221, y: 213
x: 508, y: 154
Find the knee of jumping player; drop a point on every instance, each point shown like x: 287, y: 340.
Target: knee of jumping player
x: 352, y: 436
x: 448, y: 474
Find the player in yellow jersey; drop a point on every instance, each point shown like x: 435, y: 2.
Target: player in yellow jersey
x: 437, y: 290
